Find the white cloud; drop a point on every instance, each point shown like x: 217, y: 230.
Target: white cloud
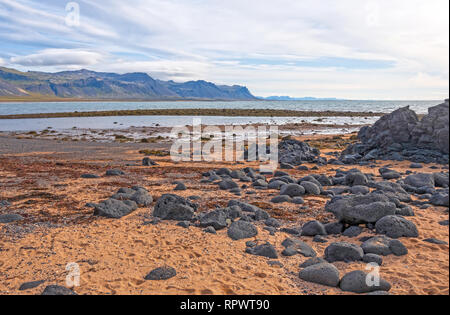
x: 56, y: 57
x: 179, y: 70
x: 213, y: 40
x: 2, y: 62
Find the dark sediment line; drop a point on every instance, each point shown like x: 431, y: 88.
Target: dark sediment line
x: 198, y: 112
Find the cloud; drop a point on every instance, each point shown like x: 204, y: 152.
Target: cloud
x: 2, y: 62
x: 179, y: 70
x: 58, y: 57
x: 363, y: 49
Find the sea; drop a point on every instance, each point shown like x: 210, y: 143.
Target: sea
x: 121, y: 122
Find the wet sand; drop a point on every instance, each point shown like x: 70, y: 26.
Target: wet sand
x: 41, y: 179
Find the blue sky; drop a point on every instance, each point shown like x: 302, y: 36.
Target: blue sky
x: 355, y: 49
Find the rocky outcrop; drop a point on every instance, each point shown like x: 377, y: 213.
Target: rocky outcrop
x: 114, y: 209
x: 295, y: 152
x: 356, y: 282
x: 343, y: 251
x: 396, y: 227
x: 360, y: 209
x: 432, y: 132
x: 241, y: 230
x: 323, y: 273
x: 401, y: 135
x: 173, y: 207
x: 57, y: 290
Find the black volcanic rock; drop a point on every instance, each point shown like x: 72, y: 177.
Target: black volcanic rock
x: 57, y: 290
x: 402, y: 136
x: 295, y: 152
x: 161, y: 273
x: 173, y: 207
x: 356, y: 282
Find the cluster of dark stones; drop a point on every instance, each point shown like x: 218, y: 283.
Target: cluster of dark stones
x: 294, y: 152
x: 322, y: 271
x: 122, y: 203
x: 291, y: 153
x: 358, y: 201
x: 327, y: 274
x: 356, y: 198
x: 238, y: 217
x: 401, y: 136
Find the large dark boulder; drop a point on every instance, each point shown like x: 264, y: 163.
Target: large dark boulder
x: 299, y: 247
x: 217, y: 219
x: 391, y: 190
x: 228, y: 184
x: 361, y: 209
x: 440, y: 199
x: 396, y: 227
x: 432, y: 132
x: 310, y: 188
x: 246, y: 207
x: 57, y: 290
x: 241, y: 230
x: 292, y: 190
x: 343, y: 251
x: 420, y: 180
x: 402, y: 136
x: 322, y: 273
x: 388, y: 174
x: 296, y: 152
x: 390, y: 129
x: 313, y: 228
x: 173, y: 207
x: 356, y: 282
x: 384, y: 246
x: 264, y: 250
x: 114, y: 209
x: 441, y: 180
x: 30, y: 285
x: 356, y: 179
x: 137, y: 194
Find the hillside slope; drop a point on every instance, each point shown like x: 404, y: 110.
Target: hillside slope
x: 85, y: 84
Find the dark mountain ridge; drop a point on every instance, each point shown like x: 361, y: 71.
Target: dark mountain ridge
x: 86, y: 84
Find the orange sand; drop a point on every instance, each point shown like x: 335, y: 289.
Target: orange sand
x: 115, y: 255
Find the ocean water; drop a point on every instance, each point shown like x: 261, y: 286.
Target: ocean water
x: 122, y: 122
x: 420, y: 107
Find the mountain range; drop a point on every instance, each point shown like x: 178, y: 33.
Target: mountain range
x: 85, y: 84
x: 288, y: 98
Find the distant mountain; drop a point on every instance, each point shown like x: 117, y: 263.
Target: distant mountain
x: 203, y: 89
x: 85, y: 84
x: 7, y: 89
x: 288, y: 98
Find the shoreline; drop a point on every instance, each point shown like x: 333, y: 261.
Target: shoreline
x: 197, y: 112
x: 152, y: 134
x: 42, y: 183
x: 87, y: 100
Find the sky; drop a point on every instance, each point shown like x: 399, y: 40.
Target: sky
x: 353, y: 49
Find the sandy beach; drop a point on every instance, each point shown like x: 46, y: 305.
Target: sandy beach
x: 224, y: 155
x: 41, y: 180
